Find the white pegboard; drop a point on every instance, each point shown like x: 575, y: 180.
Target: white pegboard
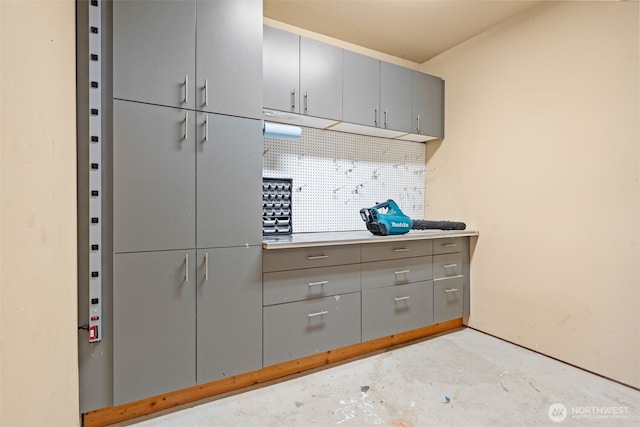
x: 336, y: 174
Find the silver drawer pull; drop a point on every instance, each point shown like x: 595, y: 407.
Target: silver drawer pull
x: 401, y: 272
x: 311, y: 258
x: 319, y: 313
x: 186, y: 267
x: 396, y: 299
x: 450, y: 265
x: 437, y: 279
x: 402, y: 250
x: 450, y: 245
x: 451, y: 290
x: 324, y: 282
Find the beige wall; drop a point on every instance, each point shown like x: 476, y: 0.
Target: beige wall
x: 541, y: 155
x: 38, y: 328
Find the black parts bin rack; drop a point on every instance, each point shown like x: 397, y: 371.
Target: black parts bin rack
x: 276, y: 206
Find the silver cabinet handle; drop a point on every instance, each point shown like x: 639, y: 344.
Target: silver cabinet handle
x: 396, y: 299
x: 418, y: 124
x: 206, y: 127
x: 451, y: 290
x: 206, y: 266
x: 306, y: 96
x: 437, y: 279
x: 385, y: 117
x: 186, y: 267
x: 401, y: 272
x: 293, y: 99
x: 375, y: 116
x: 319, y: 313
x: 402, y: 250
x: 311, y: 258
x: 186, y: 125
x: 206, y: 91
x: 186, y: 88
x: 324, y: 282
x: 450, y: 265
x: 449, y: 245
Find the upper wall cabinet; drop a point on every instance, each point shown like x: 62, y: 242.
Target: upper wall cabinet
x: 229, y: 57
x: 361, y: 86
x: 154, y: 52
x: 396, y: 99
x: 320, y: 79
x: 281, y: 70
x: 154, y: 61
x: 428, y: 105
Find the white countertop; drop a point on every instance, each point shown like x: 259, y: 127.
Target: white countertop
x: 302, y: 240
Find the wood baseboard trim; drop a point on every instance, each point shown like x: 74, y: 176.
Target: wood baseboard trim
x: 113, y: 414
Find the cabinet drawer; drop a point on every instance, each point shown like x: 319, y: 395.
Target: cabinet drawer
x: 308, y: 327
x: 447, y: 246
x: 447, y: 265
x: 387, y: 311
x: 296, y: 285
x: 298, y: 258
x: 395, y: 250
x: 448, y: 296
x: 396, y: 272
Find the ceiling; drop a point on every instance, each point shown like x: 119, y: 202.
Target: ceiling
x: 415, y: 30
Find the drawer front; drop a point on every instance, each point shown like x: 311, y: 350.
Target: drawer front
x: 396, y: 272
x: 395, y: 250
x: 448, y: 297
x: 448, y: 246
x: 387, y: 311
x: 302, y: 328
x: 447, y: 265
x: 298, y: 258
x: 296, y: 285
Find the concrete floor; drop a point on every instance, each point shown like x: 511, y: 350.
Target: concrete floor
x: 464, y: 378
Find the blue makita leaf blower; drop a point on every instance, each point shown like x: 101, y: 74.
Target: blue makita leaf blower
x: 387, y: 218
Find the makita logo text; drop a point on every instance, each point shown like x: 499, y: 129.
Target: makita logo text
x: 399, y: 224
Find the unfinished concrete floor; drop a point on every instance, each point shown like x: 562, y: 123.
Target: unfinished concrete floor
x: 464, y: 378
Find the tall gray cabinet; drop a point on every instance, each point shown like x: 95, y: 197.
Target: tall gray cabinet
x: 187, y: 169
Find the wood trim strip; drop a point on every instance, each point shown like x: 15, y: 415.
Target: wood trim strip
x: 114, y: 414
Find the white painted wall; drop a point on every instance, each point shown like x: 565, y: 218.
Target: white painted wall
x: 542, y: 156
x: 38, y: 327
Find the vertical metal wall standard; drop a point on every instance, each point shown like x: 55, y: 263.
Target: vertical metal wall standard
x: 95, y: 172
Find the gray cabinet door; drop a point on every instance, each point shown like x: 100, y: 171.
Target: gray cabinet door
x: 154, y: 51
x: 281, y: 70
x: 229, y: 304
x: 320, y: 79
x: 396, y: 99
x: 448, y: 298
x: 153, y: 324
x: 428, y: 105
x: 361, y: 86
x: 229, y: 181
x: 229, y: 57
x: 153, y: 177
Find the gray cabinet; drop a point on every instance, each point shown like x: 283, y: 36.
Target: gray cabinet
x: 154, y: 315
x: 281, y: 70
x: 448, y: 298
x: 389, y: 310
x: 361, y: 88
x: 229, y: 307
x: 310, y: 326
x: 154, y: 51
x: 157, y: 45
x: 396, y: 99
x: 320, y: 79
x: 229, y: 176
x: 229, y: 57
x: 428, y: 105
x: 153, y: 177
